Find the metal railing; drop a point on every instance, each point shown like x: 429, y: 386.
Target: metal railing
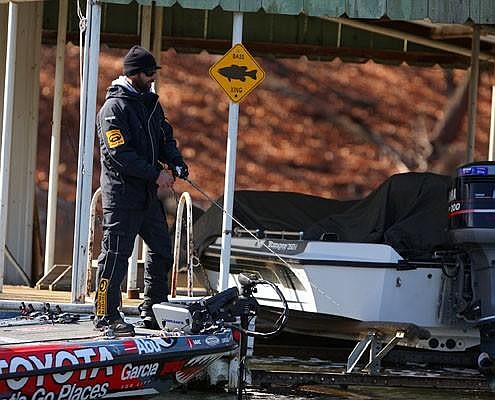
x: 91, y: 238
x: 185, y: 199
x: 268, y: 234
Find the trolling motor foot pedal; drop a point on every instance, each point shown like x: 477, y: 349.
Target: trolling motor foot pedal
x: 172, y: 316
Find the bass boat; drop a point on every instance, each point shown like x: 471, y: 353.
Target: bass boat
x: 60, y: 356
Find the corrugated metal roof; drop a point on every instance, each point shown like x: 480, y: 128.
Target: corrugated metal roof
x: 445, y: 11
x: 293, y: 28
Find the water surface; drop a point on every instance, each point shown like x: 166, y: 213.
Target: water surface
x: 335, y: 393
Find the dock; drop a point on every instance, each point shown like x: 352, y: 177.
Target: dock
x: 290, y: 362
x: 288, y: 372
x: 12, y: 296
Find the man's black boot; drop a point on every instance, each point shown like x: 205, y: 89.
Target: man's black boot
x: 122, y: 328
x: 149, y: 320
x: 118, y: 326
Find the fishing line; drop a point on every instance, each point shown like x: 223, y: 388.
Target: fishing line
x: 285, y: 262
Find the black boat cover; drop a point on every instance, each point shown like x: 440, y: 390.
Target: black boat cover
x: 408, y: 212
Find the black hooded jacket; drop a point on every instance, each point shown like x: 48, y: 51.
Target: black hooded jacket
x: 135, y: 138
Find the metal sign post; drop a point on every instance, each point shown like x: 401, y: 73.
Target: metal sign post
x: 86, y: 143
x: 237, y: 73
x: 228, y: 196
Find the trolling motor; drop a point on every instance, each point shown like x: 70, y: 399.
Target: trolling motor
x: 472, y: 227
x: 223, y: 310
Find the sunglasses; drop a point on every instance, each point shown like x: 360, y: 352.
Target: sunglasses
x: 150, y: 73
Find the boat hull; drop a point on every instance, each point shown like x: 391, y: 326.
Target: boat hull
x: 345, y: 290
x: 94, y: 367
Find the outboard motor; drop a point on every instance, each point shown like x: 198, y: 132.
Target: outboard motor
x: 472, y: 228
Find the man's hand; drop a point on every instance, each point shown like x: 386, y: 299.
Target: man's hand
x: 165, y: 182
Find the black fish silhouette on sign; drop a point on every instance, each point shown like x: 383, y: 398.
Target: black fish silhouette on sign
x: 237, y: 72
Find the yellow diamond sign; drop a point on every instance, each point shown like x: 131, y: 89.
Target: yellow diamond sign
x: 237, y: 73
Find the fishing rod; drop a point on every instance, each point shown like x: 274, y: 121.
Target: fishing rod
x: 195, y: 186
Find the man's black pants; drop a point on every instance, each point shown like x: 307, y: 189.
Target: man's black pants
x: 120, y: 228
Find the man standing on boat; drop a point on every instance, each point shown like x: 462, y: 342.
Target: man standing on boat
x: 136, y: 143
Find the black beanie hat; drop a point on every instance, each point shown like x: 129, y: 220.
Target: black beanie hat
x: 137, y: 60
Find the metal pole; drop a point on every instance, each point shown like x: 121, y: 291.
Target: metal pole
x: 5, y: 153
x: 228, y: 197
x: 51, y: 217
x: 132, y: 269
x: 156, y: 49
x: 473, y: 94
x: 146, y: 27
x: 491, y: 148
x: 86, y: 143
x: 157, y: 39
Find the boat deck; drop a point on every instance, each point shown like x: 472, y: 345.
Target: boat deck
x: 27, y: 331
x: 14, y: 331
x: 18, y: 331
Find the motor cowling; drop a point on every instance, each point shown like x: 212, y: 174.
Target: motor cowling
x: 472, y: 227
x: 471, y: 215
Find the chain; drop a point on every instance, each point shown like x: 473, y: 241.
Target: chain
x: 209, y: 288
x: 83, y: 24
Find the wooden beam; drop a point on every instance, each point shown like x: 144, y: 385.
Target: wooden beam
x: 20, y: 1
x: 219, y: 46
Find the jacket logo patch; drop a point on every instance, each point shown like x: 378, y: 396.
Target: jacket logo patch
x: 101, y: 298
x: 114, y: 138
